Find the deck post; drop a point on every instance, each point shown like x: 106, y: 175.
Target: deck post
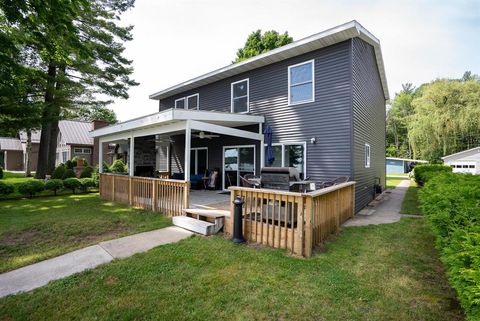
x: 131, y: 155
x: 188, y: 139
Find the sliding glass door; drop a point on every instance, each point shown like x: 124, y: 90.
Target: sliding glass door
x: 238, y: 161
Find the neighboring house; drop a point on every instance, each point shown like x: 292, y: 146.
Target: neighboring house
x: 11, y: 154
x: 467, y: 161
x: 401, y: 165
x: 323, y: 97
x: 73, y: 140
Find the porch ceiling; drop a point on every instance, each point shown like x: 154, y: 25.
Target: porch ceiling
x: 173, y: 120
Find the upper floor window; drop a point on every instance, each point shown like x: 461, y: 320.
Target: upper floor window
x: 367, y: 155
x: 180, y: 103
x: 192, y: 101
x: 240, y: 96
x: 301, y: 86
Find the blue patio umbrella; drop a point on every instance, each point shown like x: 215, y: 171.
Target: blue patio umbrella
x: 268, y: 141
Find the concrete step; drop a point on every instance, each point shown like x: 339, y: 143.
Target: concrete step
x: 194, y: 225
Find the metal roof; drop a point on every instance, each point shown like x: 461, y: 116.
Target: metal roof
x: 325, y: 38
x: 75, y: 132
x: 407, y: 159
x: 10, y: 143
x: 464, y: 155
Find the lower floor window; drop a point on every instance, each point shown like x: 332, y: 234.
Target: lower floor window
x: 288, y: 155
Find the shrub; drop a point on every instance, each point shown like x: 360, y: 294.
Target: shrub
x: 31, y: 187
x: 96, y: 176
x: 451, y: 204
x: 87, y: 183
x: 69, y: 173
x: 86, y: 172
x: 6, y: 188
x: 72, y: 183
x: 106, y: 168
x: 422, y: 173
x: 53, y: 185
x: 118, y: 166
x: 1, y: 172
x: 58, y: 172
x: 70, y: 164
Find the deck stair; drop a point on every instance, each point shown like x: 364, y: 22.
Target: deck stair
x: 202, y: 221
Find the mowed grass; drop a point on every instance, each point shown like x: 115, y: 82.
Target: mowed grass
x: 33, y: 230
x: 384, y: 272
x: 392, y: 182
x: 410, y: 203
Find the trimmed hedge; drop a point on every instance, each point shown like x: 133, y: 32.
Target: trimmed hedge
x: 58, y: 172
x: 422, y: 173
x: 86, y: 172
x: 6, y: 188
x: 451, y: 204
x: 31, y: 187
x: 69, y: 173
x: 72, y: 183
x: 54, y: 185
x: 87, y: 183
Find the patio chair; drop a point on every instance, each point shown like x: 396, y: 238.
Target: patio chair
x: 248, y: 183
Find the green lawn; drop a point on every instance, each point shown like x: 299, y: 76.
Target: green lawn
x: 410, y: 203
x: 384, y: 272
x: 392, y: 182
x: 33, y: 230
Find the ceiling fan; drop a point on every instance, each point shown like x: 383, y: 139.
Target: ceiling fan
x: 202, y: 135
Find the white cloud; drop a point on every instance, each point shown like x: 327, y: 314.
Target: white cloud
x: 178, y: 40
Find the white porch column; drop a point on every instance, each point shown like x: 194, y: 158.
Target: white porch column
x: 262, y: 148
x: 131, y: 155
x: 100, y: 156
x: 188, y: 138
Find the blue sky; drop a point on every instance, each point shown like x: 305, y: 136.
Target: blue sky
x: 176, y: 40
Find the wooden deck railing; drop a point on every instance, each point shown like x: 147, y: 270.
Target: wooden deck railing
x: 167, y: 196
x: 294, y: 221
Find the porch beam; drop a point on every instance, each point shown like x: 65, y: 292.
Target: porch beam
x: 160, y: 129
x: 131, y: 155
x: 197, y: 125
x: 188, y: 140
x: 100, y: 156
x: 262, y: 147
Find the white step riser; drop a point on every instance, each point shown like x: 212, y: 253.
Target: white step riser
x: 194, y: 225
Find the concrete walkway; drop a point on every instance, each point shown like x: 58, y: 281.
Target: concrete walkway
x: 384, y: 211
x: 39, y: 274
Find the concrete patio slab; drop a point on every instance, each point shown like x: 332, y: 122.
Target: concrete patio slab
x: 386, y: 210
x: 39, y: 274
x: 129, y: 245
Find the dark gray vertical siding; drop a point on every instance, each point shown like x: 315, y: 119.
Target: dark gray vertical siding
x: 368, y: 121
x: 328, y: 118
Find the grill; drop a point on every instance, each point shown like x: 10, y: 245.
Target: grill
x: 279, y: 177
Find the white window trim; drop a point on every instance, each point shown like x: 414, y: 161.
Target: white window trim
x: 196, y: 149
x: 248, y: 95
x: 367, y: 157
x: 184, y: 102
x: 198, y: 102
x: 283, y: 144
x: 313, y: 83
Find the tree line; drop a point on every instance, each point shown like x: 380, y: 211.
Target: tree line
x: 436, y: 119
x: 57, y: 58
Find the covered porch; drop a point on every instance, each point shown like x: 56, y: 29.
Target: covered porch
x: 187, y: 145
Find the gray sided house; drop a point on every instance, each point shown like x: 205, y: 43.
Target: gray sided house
x: 323, y: 97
